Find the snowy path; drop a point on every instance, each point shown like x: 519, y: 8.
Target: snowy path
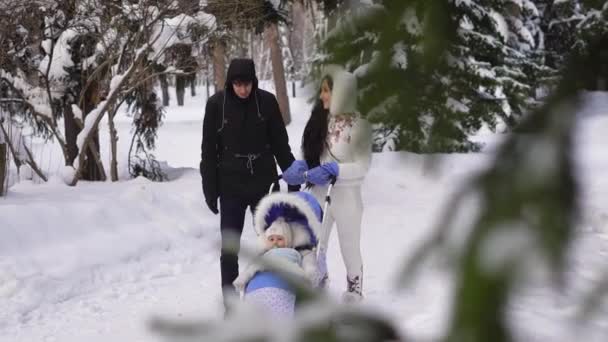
x: 95, y: 262
x: 161, y: 258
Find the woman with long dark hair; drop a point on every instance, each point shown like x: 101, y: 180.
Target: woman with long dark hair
x: 315, y: 131
x: 337, y: 143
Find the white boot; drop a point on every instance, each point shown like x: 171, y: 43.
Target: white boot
x: 353, y: 293
x: 324, y: 283
x: 322, y: 269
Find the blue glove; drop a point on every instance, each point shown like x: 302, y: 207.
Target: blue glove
x: 322, y: 175
x: 332, y: 168
x: 294, y: 175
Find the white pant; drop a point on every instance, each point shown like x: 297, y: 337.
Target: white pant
x: 346, y: 210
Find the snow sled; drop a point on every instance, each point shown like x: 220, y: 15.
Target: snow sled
x: 304, y: 215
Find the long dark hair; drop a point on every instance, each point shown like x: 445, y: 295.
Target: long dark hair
x: 315, y: 132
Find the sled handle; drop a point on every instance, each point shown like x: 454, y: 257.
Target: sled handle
x: 325, y: 230
x: 275, y: 183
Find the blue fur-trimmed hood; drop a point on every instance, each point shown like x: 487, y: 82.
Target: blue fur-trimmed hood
x: 300, y: 208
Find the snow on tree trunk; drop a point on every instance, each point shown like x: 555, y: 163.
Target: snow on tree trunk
x: 219, y: 65
x: 271, y: 33
x: 93, y: 169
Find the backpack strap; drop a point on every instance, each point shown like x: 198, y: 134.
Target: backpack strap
x: 222, y: 110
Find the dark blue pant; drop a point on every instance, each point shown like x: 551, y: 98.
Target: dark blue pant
x: 232, y: 219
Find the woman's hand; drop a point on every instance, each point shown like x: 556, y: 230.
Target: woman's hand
x: 322, y: 174
x: 294, y: 175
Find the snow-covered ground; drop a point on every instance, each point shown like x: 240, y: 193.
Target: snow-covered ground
x: 95, y: 262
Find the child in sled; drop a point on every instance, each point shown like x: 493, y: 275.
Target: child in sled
x: 286, y: 224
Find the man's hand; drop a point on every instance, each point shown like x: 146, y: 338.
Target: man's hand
x: 294, y: 175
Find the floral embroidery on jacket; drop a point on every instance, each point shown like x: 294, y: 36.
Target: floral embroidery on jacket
x: 338, y: 125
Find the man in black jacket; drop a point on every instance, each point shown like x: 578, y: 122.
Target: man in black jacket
x: 243, y: 134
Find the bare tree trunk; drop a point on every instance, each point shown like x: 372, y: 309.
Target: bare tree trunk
x: 180, y: 85
x: 207, y: 84
x: 316, y: 32
x: 113, y: 141
x: 93, y: 169
x: 265, y: 60
x: 72, y: 128
x: 192, y: 80
x: 271, y: 33
x: 164, y: 86
x: 242, y: 43
x: 310, y: 37
x: 296, y: 38
x: 71, y: 132
x: 3, y: 167
x: 93, y: 154
x: 252, y: 51
x: 90, y: 171
x: 219, y: 66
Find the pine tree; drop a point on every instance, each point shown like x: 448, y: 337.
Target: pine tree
x: 559, y: 23
x: 593, y: 28
x: 436, y: 98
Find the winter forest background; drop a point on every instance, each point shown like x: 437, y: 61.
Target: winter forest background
x: 432, y: 76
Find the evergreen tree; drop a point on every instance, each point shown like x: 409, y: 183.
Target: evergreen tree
x: 593, y: 28
x: 488, y: 74
x: 559, y: 23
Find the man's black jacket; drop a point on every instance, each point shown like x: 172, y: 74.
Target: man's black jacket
x: 242, y: 138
